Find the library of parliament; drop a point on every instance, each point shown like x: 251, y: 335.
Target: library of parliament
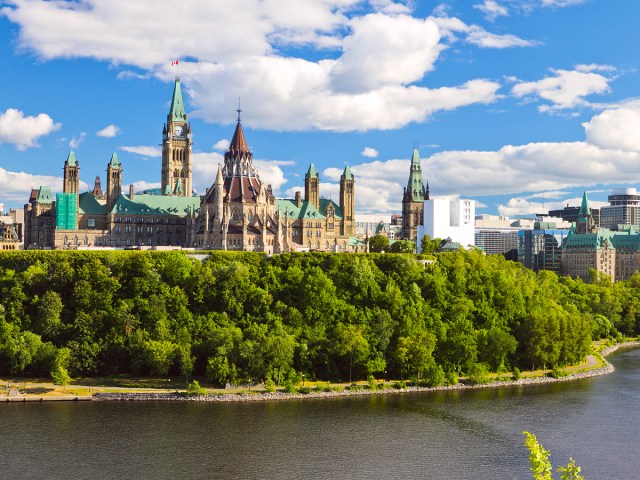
x: 237, y: 212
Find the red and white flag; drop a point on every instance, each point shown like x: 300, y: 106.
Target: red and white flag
x: 175, y: 62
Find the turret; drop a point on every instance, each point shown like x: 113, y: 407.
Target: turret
x: 176, y: 148
x: 347, y: 201
x: 114, y: 181
x: 312, y: 187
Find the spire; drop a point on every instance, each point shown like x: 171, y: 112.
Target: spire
x: 415, y: 188
x: 312, y: 171
x: 71, y: 159
x: 219, y: 177
x: 426, y: 192
x: 176, y: 112
x: 238, y: 142
x: 114, y: 162
x: 585, y: 209
x: 347, y: 173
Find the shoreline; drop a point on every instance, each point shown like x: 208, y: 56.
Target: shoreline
x: 278, y: 396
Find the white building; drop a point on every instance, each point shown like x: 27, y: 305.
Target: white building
x: 453, y: 219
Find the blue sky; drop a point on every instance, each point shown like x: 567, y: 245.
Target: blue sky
x: 519, y: 104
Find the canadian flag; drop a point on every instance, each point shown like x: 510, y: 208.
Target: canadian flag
x: 175, y: 62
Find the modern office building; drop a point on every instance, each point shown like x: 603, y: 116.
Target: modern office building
x: 449, y: 219
x: 623, y: 209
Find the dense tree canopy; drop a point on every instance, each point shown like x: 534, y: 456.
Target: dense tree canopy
x: 243, y: 316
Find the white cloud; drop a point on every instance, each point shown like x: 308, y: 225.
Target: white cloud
x: 77, y: 140
x: 145, y: 151
x: 369, y: 152
x: 23, y: 132
x: 616, y: 128
x: 476, y: 35
x: 566, y: 89
x: 369, y: 79
x: 522, y: 206
x: 109, y: 131
x: 16, y: 186
x: 222, y: 145
x: 141, y: 186
x: 492, y: 9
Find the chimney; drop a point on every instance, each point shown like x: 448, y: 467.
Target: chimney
x: 131, y: 194
x: 298, y: 200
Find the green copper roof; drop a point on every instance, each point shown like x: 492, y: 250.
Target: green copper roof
x: 307, y: 209
x: 415, y: 186
x: 178, y: 188
x: 114, y: 162
x: 156, y: 205
x: 44, y: 195
x: 312, y: 171
x: 590, y: 240
x: 176, y: 112
x: 585, y: 209
x: 347, y: 173
x: 71, y: 159
x: 89, y: 205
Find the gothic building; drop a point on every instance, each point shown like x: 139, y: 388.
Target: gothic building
x: 238, y: 211
x: 413, y: 199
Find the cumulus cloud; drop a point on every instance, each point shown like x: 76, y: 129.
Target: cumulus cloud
x: 616, y: 128
x: 492, y: 9
x: 145, y: 151
x: 77, y: 140
x: 566, y: 89
x: 109, y: 131
x: 523, y: 206
x: 16, y: 186
x: 369, y: 152
x: 23, y: 132
x: 370, y: 79
x: 222, y: 145
x: 450, y: 27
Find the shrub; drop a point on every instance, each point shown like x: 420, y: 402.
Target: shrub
x: 479, y: 374
x: 290, y: 387
x: 557, y: 372
x: 355, y: 387
x: 451, y: 377
x: 194, y: 389
x: 516, y: 373
x: 400, y: 385
x: 434, y: 376
x: 304, y: 390
x: 270, y: 385
x: 373, y: 385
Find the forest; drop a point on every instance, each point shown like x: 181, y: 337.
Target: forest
x: 240, y: 317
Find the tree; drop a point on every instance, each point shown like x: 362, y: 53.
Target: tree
x: 350, y: 341
x: 378, y: 243
x: 402, y: 246
x: 540, y: 464
x: 429, y: 245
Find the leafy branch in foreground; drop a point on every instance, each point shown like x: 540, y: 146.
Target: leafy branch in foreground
x: 540, y: 464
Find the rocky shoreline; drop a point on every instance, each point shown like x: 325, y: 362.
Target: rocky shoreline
x: 263, y: 397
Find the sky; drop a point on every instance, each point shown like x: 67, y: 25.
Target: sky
x: 519, y: 104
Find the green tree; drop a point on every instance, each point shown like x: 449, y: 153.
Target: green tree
x: 428, y: 245
x: 351, y: 342
x: 540, y: 464
x: 378, y: 243
x: 402, y: 246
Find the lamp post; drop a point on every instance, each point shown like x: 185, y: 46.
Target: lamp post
x: 303, y: 379
x: 385, y: 376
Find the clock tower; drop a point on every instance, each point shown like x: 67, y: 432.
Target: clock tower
x: 176, y: 148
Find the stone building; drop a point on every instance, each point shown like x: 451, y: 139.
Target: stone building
x: 238, y: 211
x: 413, y: 199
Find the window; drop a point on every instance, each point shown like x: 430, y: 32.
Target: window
x: 91, y: 222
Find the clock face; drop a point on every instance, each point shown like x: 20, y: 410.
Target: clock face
x: 177, y: 130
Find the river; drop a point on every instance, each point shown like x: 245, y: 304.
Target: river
x: 439, y: 435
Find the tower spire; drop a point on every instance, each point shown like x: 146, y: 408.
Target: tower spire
x: 239, y: 110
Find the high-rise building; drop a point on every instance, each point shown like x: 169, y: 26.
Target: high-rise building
x: 452, y: 220
x: 623, y: 209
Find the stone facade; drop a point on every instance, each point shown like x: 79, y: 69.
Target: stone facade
x: 238, y: 212
x: 413, y: 199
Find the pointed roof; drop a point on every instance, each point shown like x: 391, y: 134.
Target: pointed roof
x: 347, y: 173
x: 114, y: 162
x: 312, y: 171
x: 178, y: 188
x: 219, y: 177
x: 176, y: 112
x: 71, y: 159
x: 415, y: 187
x: 238, y: 142
x: 585, y: 209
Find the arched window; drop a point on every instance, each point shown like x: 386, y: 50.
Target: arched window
x: 236, y: 215
x: 75, y: 240
x: 86, y: 240
x: 65, y: 240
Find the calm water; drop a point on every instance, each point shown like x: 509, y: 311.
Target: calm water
x: 453, y: 435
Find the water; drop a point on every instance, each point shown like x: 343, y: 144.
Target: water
x: 445, y: 435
